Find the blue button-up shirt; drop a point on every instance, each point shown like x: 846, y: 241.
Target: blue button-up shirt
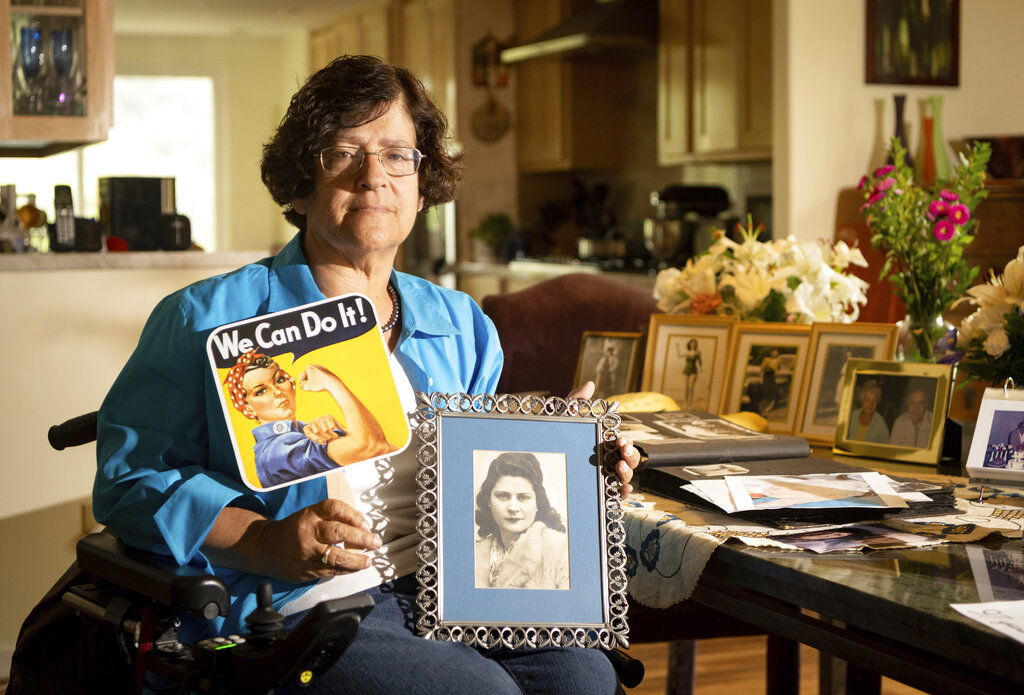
x: 166, y: 466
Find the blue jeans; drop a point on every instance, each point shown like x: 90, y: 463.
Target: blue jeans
x: 388, y: 657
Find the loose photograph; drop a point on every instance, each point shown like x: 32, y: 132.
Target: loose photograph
x: 610, y: 360
x: 894, y: 410
x: 520, y: 520
x: 685, y: 359
x: 832, y: 346
x: 851, y: 538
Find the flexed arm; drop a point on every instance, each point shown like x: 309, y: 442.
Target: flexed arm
x: 364, y: 437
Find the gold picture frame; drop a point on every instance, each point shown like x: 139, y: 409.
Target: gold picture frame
x: 611, y: 359
x: 831, y: 346
x: 767, y: 364
x: 900, y: 391
x: 691, y: 375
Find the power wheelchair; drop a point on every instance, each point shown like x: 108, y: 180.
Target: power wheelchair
x: 119, y: 608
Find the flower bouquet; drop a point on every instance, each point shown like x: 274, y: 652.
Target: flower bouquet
x: 781, y: 280
x: 923, y: 232
x: 992, y: 338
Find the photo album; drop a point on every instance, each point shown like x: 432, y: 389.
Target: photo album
x: 306, y: 391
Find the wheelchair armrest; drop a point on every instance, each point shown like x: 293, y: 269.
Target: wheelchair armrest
x: 153, y: 576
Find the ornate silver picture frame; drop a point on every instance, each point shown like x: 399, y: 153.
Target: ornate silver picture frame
x: 522, y: 542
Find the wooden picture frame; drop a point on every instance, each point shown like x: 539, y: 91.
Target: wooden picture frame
x: 905, y: 46
x: 767, y: 364
x: 906, y: 404
x: 832, y: 344
x: 669, y: 360
x: 563, y: 451
x: 611, y: 359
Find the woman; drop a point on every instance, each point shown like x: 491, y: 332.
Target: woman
x: 866, y: 424
x: 359, y: 153
x: 691, y: 370
x: 287, y: 449
x: 522, y: 543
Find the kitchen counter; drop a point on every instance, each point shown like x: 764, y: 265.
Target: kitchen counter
x: 481, y: 279
x: 128, y: 260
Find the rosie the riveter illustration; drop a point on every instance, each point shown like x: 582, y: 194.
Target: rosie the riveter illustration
x: 287, y: 449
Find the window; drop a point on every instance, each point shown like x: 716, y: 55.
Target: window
x: 163, y: 126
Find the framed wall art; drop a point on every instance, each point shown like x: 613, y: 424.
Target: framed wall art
x: 686, y: 359
x: 521, y: 532
x: 912, y: 42
x: 893, y: 410
x: 832, y: 346
x: 767, y: 364
x: 610, y: 359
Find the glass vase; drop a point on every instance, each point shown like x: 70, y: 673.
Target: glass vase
x: 924, y: 339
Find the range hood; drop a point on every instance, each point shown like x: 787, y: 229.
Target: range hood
x: 617, y: 26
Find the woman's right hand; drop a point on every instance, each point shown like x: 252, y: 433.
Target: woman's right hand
x: 292, y: 548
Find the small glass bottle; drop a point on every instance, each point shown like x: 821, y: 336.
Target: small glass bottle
x: 34, y: 220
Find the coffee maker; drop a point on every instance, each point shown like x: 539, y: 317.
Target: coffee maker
x: 683, y: 219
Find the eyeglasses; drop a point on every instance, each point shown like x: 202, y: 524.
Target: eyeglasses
x: 397, y: 161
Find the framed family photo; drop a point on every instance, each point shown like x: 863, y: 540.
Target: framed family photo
x: 997, y: 449
x: 610, y: 359
x: 686, y: 358
x: 912, y: 42
x: 832, y: 346
x: 767, y: 363
x: 521, y: 532
x: 893, y: 410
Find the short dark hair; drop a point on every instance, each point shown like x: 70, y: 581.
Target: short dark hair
x: 350, y: 91
x: 516, y: 464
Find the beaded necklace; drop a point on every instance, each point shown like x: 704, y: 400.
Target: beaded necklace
x: 396, y: 309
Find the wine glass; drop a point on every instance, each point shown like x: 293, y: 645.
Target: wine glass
x: 63, y: 55
x: 30, y: 63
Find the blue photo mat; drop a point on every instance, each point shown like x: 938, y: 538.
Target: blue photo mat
x: 461, y: 602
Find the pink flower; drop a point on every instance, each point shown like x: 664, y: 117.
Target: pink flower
x: 863, y: 182
x: 875, y: 196
x: 882, y: 171
x: 945, y: 230
x: 885, y: 184
x: 938, y: 208
x: 959, y: 214
x: 948, y: 195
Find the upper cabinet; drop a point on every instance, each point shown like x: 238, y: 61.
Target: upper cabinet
x: 425, y: 44
x: 569, y: 112
x: 714, y: 80
x: 362, y: 30
x: 56, y: 80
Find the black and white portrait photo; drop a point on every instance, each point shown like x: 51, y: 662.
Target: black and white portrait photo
x: 521, y: 525
x: 609, y: 360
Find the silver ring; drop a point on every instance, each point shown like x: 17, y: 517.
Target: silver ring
x: 326, y: 557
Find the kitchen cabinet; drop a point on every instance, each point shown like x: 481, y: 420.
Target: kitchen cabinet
x: 714, y: 81
x: 363, y: 30
x: 425, y: 44
x: 568, y: 114
x: 58, y: 89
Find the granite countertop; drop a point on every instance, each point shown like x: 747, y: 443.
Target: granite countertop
x: 128, y: 260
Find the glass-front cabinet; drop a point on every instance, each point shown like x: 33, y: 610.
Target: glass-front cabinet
x: 56, y: 74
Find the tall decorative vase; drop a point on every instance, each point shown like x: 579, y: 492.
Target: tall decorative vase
x: 926, y: 172
x: 881, y: 146
x: 900, y: 128
x: 924, y: 339
x: 943, y: 166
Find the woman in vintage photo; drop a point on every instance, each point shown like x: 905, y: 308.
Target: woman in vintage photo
x: 607, y: 368
x: 287, y: 449
x: 866, y: 424
x: 691, y: 370
x: 522, y: 543
x: 769, y: 386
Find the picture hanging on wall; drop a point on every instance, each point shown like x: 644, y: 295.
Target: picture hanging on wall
x: 910, y: 42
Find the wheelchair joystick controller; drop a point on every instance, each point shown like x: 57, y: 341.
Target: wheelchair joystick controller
x: 264, y: 623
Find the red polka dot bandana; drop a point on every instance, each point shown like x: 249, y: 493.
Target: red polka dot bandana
x: 234, y: 381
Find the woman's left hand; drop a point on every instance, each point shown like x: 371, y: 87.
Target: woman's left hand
x: 629, y: 456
